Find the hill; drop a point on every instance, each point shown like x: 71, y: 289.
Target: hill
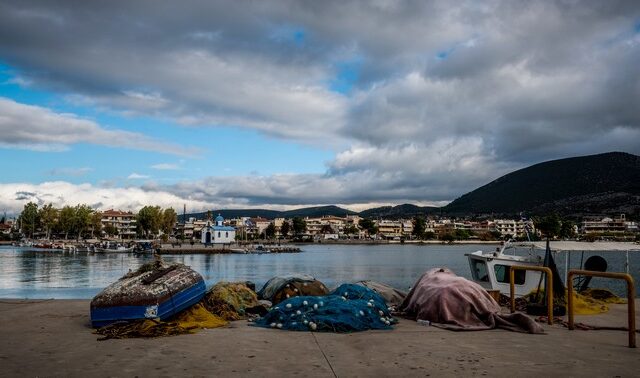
x: 401, y: 211
x: 597, y: 184
x: 316, y: 211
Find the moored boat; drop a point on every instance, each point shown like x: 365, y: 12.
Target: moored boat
x: 491, y: 269
x: 154, y: 291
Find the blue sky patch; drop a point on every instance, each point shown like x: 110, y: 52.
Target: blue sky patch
x: 347, y: 74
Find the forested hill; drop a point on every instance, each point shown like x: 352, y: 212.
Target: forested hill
x: 400, y: 211
x: 597, y: 184
x: 317, y: 211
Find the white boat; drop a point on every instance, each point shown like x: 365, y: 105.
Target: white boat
x: 113, y: 248
x: 491, y: 269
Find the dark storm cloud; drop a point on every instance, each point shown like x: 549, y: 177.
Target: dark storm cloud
x: 447, y: 96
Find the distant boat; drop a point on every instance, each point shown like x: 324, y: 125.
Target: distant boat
x: 113, y: 248
x: 157, y: 293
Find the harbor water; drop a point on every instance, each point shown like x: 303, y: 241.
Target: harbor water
x: 28, y: 273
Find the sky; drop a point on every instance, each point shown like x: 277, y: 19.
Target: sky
x: 285, y: 104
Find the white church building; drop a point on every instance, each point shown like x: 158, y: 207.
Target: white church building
x: 217, y: 233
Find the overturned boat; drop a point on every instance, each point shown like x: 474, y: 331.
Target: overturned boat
x: 156, y: 290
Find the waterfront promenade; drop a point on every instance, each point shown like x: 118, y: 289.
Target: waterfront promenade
x: 52, y: 338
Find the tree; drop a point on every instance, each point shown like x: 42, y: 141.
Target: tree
x: 326, y: 229
x: 299, y: 226
x: 285, y: 228
x: 66, y: 220
x: 567, y: 229
x: 270, y: 231
x: 110, y: 229
x: 169, y: 218
x: 419, y: 227
x: 48, y: 218
x: 29, y: 218
x: 351, y: 229
x: 96, y: 223
x: 149, y: 220
x: 549, y: 226
x: 82, y: 219
x: 369, y: 225
x: 461, y: 234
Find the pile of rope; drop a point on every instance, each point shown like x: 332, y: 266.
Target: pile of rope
x: 349, y: 308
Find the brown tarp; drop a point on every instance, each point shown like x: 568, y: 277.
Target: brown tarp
x: 280, y: 288
x: 455, y: 303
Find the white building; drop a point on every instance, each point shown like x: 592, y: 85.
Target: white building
x: 124, y: 223
x: 218, y: 233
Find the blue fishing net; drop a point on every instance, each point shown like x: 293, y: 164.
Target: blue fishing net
x: 349, y: 308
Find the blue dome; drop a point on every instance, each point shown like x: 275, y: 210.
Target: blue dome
x: 219, y: 218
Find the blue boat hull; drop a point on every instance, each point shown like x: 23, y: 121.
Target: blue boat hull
x: 102, y: 316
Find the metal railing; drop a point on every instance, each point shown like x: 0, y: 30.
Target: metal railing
x: 549, y: 287
x: 631, y: 295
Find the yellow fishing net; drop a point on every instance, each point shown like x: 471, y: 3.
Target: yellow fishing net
x: 199, y: 317
x: 229, y: 300
x: 587, y: 302
x: 188, y: 321
x: 594, y: 301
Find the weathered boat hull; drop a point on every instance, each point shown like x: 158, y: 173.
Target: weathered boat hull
x: 149, y: 295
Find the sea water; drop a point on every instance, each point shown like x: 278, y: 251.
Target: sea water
x: 28, y: 273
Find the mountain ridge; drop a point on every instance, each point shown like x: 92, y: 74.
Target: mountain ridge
x: 607, y: 183
x: 601, y: 183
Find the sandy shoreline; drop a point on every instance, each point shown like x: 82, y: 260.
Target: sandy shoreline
x: 53, y: 338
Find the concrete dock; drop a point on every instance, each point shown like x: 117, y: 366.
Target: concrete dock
x: 53, y: 338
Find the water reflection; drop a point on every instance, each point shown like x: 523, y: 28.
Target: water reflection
x: 47, y: 274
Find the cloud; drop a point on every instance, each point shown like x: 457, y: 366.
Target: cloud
x: 13, y: 196
x: 41, y: 129
x: 137, y: 176
x: 444, y: 96
x: 166, y: 166
x: 68, y: 171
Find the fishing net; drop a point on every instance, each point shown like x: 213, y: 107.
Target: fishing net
x: 277, y: 289
x: 349, y: 308
x: 588, y: 302
x: 594, y: 301
x: 188, y: 321
x: 230, y: 300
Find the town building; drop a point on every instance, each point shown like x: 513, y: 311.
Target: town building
x: 6, y: 228
x: 617, y: 225
x: 123, y: 222
x: 513, y: 228
x: 389, y: 229
x: 217, y: 233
